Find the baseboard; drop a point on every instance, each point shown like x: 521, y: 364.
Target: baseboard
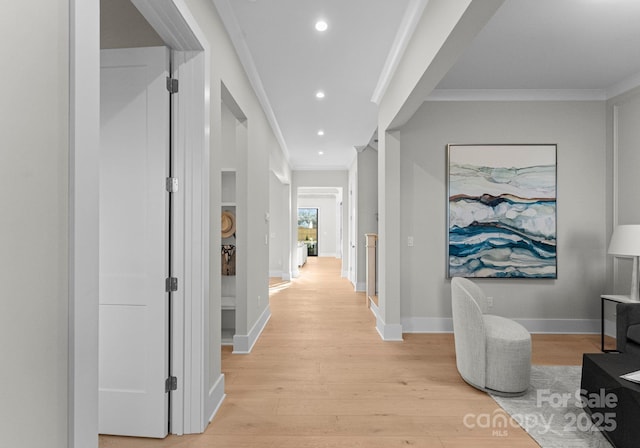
x: 215, y: 398
x: 276, y: 274
x: 610, y: 328
x: 427, y: 324
x: 556, y: 326
x: 388, y: 332
x: 360, y: 286
x: 295, y: 273
x: 561, y: 326
x: 286, y: 276
x: 243, y: 344
x: 344, y: 274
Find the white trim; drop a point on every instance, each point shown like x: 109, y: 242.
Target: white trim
x: 246, y: 59
x: 216, y: 397
x: 616, y: 187
x: 173, y: 21
x: 555, y: 326
x: 427, y: 324
x: 84, y: 142
x: 360, y: 286
x: 412, y: 16
x: 623, y: 86
x: 516, y: 95
x: 610, y: 328
x: 387, y: 332
x: 561, y: 326
x: 276, y: 274
x: 243, y: 344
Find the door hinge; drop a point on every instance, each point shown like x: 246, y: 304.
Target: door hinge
x: 170, y: 384
x: 172, y: 85
x: 172, y: 184
x: 171, y: 284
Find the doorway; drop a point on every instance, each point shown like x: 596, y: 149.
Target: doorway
x: 200, y: 388
x: 308, y: 229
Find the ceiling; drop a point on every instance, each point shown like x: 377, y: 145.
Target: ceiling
x: 553, y: 44
x: 590, y: 46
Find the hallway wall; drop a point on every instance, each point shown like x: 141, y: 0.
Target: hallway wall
x: 34, y: 224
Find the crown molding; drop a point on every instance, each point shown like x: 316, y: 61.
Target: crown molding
x: 412, y: 16
x: 623, y: 86
x: 246, y: 59
x: 517, y: 95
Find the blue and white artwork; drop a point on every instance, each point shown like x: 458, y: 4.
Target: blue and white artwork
x: 502, y: 211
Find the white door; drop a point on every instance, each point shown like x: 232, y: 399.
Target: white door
x: 134, y: 241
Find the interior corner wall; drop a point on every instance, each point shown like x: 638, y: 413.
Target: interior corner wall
x: 122, y: 26
x: 278, y: 222
x: 34, y: 224
x: 624, y: 116
x: 367, y: 206
x: 578, y: 128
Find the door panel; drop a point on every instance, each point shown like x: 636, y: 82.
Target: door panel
x: 134, y: 163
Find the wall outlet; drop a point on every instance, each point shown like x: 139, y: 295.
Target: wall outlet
x: 410, y: 241
x: 259, y: 299
x: 490, y: 302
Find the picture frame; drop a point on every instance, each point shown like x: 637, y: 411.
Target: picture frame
x: 502, y: 210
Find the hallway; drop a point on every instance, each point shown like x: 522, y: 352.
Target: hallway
x: 320, y: 376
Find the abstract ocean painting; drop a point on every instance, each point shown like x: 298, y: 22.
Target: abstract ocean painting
x: 502, y: 211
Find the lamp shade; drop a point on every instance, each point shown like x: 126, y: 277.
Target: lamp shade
x: 625, y: 241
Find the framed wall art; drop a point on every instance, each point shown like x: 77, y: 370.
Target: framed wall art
x: 501, y: 211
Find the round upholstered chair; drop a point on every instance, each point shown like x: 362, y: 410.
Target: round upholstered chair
x: 493, y: 353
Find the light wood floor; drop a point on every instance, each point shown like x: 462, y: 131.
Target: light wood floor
x: 321, y: 377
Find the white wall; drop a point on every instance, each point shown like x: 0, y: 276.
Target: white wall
x: 367, y: 205
x: 578, y: 128
x: 278, y: 228
x: 328, y: 225
x: 34, y: 124
x: 253, y: 171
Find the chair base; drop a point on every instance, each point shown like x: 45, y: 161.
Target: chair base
x: 498, y: 393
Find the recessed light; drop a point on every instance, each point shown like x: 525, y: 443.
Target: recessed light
x: 319, y: 94
x: 321, y: 25
x: 321, y: 132
x: 320, y: 153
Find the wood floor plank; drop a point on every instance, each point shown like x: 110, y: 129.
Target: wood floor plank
x: 320, y: 376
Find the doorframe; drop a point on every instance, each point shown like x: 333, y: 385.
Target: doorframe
x: 177, y: 26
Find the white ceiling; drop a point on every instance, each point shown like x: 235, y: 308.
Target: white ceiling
x: 586, y: 45
x: 293, y: 61
x: 553, y: 44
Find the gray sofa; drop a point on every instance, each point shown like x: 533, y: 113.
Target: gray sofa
x: 628, y: 328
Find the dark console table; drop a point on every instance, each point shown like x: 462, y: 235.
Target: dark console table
x: 601, y: 377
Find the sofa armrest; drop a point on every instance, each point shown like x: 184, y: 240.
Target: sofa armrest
x: 626, y: 314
